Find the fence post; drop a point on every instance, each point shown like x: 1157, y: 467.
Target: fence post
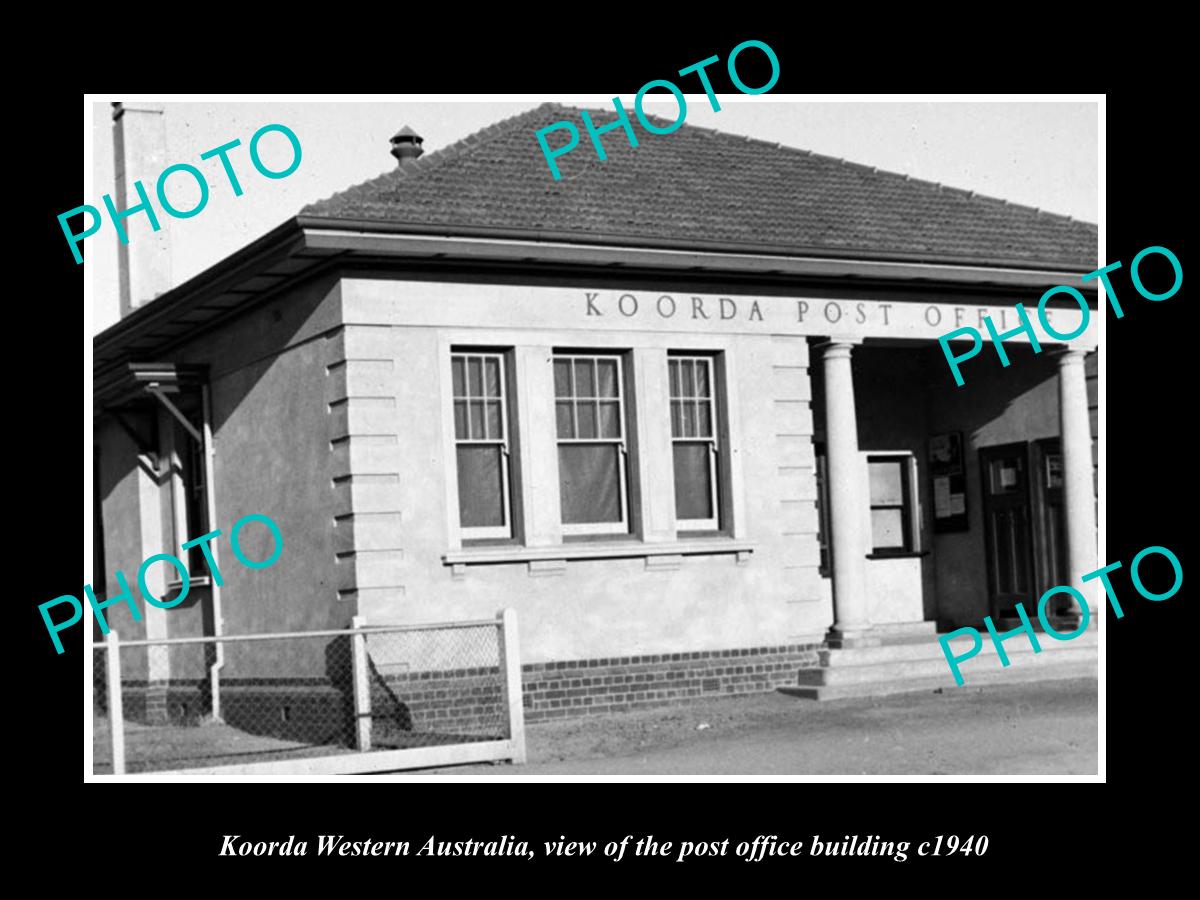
x: 510, y: 665
x: 116, y: 711
x: 214, y: 679
x: 362, y: 684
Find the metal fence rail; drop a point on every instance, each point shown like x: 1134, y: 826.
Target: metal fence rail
x: 363, y: 699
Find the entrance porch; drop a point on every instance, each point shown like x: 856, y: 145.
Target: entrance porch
x: 940, y: 505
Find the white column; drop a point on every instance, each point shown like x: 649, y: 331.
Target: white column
x: 847, y: 493
x: 1078, y: 495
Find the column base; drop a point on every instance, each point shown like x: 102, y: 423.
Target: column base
x: 839, y: 638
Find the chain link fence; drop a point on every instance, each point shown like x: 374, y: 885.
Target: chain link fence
x: 362, y: 699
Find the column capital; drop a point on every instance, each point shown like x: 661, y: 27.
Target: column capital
x: 841, y: 345
x: 1069, y: 356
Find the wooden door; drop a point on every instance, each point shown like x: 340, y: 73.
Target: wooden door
x: 1007, y: 531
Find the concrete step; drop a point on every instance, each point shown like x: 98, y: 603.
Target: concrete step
x: 1051, y: 670
x: 929, y: 665
x: 899, y: 629
x: 900, y: 640
x: 931, y: 648
x: 866, y: 656
x: 1061, y: 625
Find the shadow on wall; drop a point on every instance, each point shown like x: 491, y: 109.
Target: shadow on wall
x: 414, y: 709
x: 998, y: 406
x: 904, y: 394
x: 391, y: 719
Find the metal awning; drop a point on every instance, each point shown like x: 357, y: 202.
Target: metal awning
x: 137, y: 381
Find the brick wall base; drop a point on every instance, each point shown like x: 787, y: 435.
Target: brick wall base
x: 465, y: 704
x: 459, y: 705
x: 589, y: 686
x: 144, y: 702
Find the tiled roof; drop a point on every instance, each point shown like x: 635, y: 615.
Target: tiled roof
x: 702, y: 188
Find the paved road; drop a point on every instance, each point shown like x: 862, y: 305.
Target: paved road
x: 1047, y: 728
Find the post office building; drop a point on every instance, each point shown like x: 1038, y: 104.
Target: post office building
x: 684, y: 410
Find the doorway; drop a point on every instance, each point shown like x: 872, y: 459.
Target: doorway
x: 1007, y: 527
x: 1050, y: 523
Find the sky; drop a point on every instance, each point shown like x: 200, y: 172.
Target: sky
x: 1036, y: 154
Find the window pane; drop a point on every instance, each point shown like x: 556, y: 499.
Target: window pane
x: 475, y: 375
x: 886, y: 486
x: 673, y: 366
x: 456, y: 370
x: 703, y: 419
x: 1054, y: 475
x: 693, y: 481
x: 689, y: 419
x: 610, y: 419
x: 476, y: 406
x: 589, y: 482
x: 676, y: 418
x: 495, y: 427
x: 562, y: 378
x: 608, y: 377
x: 887, y: 529
x: 585, y: 384
x: 685, y: 378
x: 491, y: 380
x: 480, y: 489
x: 702, y: 386
x: 586, y: 411
x: 460, y: 420
x: 196, y: 511
x: 1006, y: 476
x: 566, y: 419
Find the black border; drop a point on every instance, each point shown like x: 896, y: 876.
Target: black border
x: 1034, y: 829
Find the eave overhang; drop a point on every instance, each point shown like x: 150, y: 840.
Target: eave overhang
x: 303, y: 247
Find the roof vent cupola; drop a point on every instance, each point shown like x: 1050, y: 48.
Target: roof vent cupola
x: 406, y: 145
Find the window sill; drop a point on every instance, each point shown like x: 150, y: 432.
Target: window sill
x: 193, y: 581
x: 586, y: 550
x: 906, y: 554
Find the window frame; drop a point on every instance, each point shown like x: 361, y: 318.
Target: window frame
x: 910, y: 503
x: 186, y: 464
x: 194, y: 483
x: 824, y: 527
x: 712, y: 523
x: 486, y: 532
x: 587, y: 529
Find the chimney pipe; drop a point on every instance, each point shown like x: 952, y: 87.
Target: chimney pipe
x: 140, y: 151
x: 406, y: 146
